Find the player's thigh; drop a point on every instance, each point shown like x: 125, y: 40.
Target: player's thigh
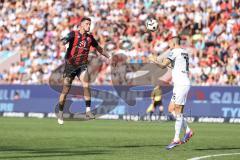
x: 70, y: 71
x: 178, y: 108
x: 180, y: 94
x: 171, y: 107
x: 85, y: 78
x: 67, y: 82
x: 175, y: 108
x: 180, y: 97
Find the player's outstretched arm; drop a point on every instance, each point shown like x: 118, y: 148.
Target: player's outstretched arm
x: 165, y: 62
x: 67, y: 38
x: 101, y: 51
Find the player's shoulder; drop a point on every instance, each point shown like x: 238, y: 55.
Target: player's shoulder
x: 89, y: 34
x: 179, y: 51
x: 157, y: 88
x: 175, y: 51
x: 184, y: 50
x: 73, y: 31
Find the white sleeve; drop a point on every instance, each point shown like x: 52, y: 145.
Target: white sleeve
x: 172, y: 55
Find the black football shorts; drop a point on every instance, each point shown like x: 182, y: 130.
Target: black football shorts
x: 72, y: 70
x: 157, y: 103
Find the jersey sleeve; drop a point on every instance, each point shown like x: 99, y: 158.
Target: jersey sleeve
x: 94, y: 42
x: 68, y: 38
x: 172, y: 55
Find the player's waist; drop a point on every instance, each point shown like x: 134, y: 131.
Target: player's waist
x: 181, y: 81
x: 157, y: 98
x: 185, y: 72
x: 77, y: 55
x: 180, y: 71
x: 76, y: 65
x: 180, y: 74
x: 181, y: 77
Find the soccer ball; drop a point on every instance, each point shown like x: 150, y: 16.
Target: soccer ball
x: 151, y: 24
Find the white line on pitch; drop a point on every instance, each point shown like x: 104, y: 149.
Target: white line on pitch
x: 215, y: 155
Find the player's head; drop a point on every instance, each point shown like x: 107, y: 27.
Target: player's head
x: 85, y: 24
x: 174, y: 41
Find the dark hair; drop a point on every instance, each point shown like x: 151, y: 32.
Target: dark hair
x: 176, y: 39
x: 85, y: 19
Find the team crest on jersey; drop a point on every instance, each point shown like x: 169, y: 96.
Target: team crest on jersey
x: 82, y: 44
x: 89, y: 39
x: 170, y: 54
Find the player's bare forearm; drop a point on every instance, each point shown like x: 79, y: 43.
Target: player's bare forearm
x: 64, y: 40
x: 102, y: 52
x: 105, y: 54
x: 67, y: 38
x: 162, y: 64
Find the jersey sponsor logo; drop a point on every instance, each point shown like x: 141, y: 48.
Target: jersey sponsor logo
x: 82, y: 44
x: 170, y: 54
x: 89, y: 39
x: 184, y: 54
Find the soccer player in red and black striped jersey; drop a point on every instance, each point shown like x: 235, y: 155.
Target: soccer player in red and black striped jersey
x: 76, y: 64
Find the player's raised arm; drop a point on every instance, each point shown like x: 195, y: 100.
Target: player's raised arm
x: 67, y: 38
x: 165, y: 62
x: 99, y: 48
x: 101, y: 51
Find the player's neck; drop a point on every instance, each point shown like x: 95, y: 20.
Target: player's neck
x: 177, y: 46
x: 82, y: 31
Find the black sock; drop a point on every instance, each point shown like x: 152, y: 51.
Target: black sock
x: 160, y: 113
x: 88, y: 103
x: 60, y: 106
x: 151, y: 113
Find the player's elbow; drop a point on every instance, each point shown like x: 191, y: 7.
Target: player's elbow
x: 99, y: 49
x: 163, y: 66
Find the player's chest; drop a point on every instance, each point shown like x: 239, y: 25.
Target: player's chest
x: 83, y: 41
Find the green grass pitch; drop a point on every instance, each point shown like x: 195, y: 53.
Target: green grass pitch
x: 44, y: 139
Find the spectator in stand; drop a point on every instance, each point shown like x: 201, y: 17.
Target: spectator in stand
x: 211, y: 29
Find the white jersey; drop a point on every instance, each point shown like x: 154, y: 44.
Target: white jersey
x: 180, y: 64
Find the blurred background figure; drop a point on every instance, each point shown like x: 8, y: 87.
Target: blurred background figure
x: 156, y: 97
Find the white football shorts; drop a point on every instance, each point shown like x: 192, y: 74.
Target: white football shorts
x: 180, y: 93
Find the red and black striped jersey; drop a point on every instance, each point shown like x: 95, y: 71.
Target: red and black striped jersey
x: 79, y: 46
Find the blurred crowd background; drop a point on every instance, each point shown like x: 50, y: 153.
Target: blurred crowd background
x: 33, y: 29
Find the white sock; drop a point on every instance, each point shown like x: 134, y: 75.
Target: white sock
x: 178, y: 127
x: 60, y: 114
x: 185, y: 125
x: 88, y: 109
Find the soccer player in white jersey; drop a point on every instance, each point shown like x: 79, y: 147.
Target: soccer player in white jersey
x: 178, y: 58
